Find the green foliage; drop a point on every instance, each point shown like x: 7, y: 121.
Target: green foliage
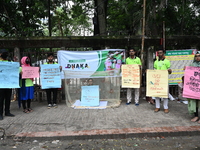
x: 24, y: 18
x: 181, y: 17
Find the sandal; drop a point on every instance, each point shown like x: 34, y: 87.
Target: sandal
x: 151, y: 102
x: 26, y: 111
x: 195, y: 119
x: 30, y: 110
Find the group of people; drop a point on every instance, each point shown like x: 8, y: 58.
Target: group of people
x: 114, y: 62
x: 162, y: 64
x: 26, y: 90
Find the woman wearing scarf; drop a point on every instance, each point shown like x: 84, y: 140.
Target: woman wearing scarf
x: 194, y: 104
x: 26, y: 92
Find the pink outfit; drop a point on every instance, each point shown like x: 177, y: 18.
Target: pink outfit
x: 23, y: 62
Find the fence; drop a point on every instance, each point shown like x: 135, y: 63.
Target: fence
x: 38, y: 58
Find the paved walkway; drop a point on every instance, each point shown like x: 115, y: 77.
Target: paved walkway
x: 124, y: 121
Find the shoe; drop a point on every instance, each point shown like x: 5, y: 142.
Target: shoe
x: 9, y: 115
x: 55, y: 106
x: 157, y: 110
x: 49, y: 106
x: 166, y: 110
x: 128, y: 103
x: 137, y: 104
x: 1, y: 117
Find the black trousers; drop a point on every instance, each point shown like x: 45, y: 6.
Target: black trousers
x: 26, y: 102
x: 196, y: 113
x: 54, y: 91
x: 5, y: 96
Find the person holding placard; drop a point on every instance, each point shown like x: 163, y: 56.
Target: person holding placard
x: 162, y: 64
x: 132, y: 59
x: 50, y: 60
x: 26, y: 92
x: 5, y: 94
x: 90, y: 81
x: 194, y: 104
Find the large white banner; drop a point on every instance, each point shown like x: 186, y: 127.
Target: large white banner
x: 91, y: 64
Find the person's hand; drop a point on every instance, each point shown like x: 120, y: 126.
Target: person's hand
x: 169, y: 71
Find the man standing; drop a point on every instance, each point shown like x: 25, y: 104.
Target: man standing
x: 2, y: 51
x: 162, y: 64
x: 5, y: 94
x: 132, y: 59
x: 50, y: 60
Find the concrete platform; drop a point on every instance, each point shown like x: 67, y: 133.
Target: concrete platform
x: 122, y: 122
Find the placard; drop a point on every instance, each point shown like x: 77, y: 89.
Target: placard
x: 179, y: 59
x: 131, y: 76
x: 50, y: 76
x: 9, y: 74
x: 191, y: 87
x: 157, y: 83
x: 90, y: 95
x: 30, y: 72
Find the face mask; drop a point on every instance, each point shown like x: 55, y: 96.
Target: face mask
x: 27, y: 61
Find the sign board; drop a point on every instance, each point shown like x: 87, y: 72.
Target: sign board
x: 50, y: 76
x: 131, y: 76
x: 179, y: 59
x: 192, y: 82
x: 30, y: 72
x: 91, y: 64
x: 9, y: 74
x: 157, y: 83
x: 90, y: 95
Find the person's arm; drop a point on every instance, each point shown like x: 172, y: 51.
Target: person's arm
x: 139, y: 63
x: 126, y: 61
x: 168, y: 67
x: 155, y: 65
x: 169, y: 71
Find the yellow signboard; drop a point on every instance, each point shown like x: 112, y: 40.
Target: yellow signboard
x: 157, y: 83
x: 179, y: 59
x: 130, y: 76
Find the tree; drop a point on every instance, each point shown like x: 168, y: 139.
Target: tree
x: 181, y: 17
x: 19, y: 18
x: 30, y: 18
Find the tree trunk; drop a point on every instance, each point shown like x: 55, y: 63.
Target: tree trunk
x: 95, y: 19
x: 101, y: 7
x: 16, y: 57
